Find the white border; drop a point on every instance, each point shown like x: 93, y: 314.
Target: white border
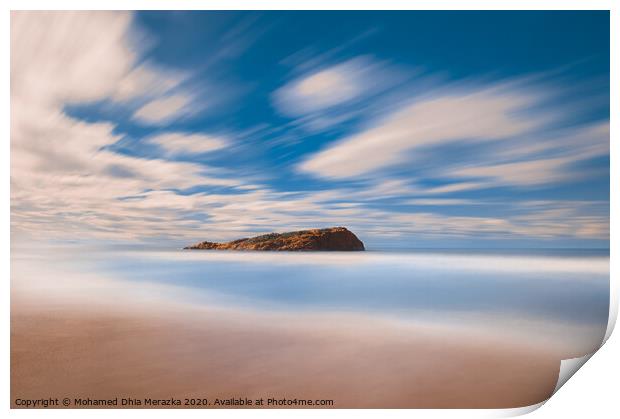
x: 594, y: 391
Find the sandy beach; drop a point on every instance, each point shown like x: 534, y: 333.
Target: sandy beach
x: 90, y: 351
x: 79, y: 333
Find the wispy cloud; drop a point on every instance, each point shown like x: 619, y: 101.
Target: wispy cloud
x: 482, y: 115
x: 531, y: 172
x: 401, y: 173
x: 148, y: 80
x: 324, y: 88
x: 442, y: 201
x: 180, y: 143
x: 44, y: 43
x: 546, y: 158
x: 163, y: 110
x: 324, y: 95
x: 66, y: 181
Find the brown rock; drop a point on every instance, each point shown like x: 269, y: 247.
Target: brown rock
x: 335, y: 238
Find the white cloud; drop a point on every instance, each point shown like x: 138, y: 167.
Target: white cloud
x: 327, y: 87
x: 520, y: 162
x: 530, y: 172
x: 519, y: 152
x: 163, y: 110
x: 441, y: 201
x: 488, y: 114
x: 454, y: 187
x: 65, y: 181
x: 68, y: 56
x: 179, y: 143
x: 147, y: 80
x: 586, y: 141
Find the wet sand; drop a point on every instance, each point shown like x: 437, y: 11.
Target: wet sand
x: 79, y: 350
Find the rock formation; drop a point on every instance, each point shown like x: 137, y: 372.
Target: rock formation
x: 335, y: 238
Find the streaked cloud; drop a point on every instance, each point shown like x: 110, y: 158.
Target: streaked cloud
x: 44, y: 43
x: 163, y: 110
x: 148, y: 80
x: 521, y: 163
x: 454, y: 187
x: 66, y: 181
x: 323, y: 89
x: 180, y: 143
x: 424, y: 163
x: 322, y: 95
x: 531, y: 172
x: 441, y: 201
x: 482, y: 115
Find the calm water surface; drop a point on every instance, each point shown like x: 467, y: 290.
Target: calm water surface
x: 556, y: 295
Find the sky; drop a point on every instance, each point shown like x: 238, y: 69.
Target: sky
x: 412, y: 129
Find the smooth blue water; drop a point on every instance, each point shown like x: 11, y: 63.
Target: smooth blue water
x: 397, y: 285
x: 502, y: 289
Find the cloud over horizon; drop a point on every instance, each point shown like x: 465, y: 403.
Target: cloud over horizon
x: 124, y: 130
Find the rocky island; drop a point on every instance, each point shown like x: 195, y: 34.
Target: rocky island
x: 334, y: 239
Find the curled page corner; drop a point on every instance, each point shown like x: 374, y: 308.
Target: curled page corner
x: 518, y: 411
x: 568, y: 368
x: 613, y: 313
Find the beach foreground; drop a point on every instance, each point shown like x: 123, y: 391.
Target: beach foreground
x: 344, y: 331
x: 79, y: 351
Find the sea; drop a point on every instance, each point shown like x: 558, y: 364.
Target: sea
x: 558, y: 297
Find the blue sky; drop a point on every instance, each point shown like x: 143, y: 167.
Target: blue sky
x: 414, y: 129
